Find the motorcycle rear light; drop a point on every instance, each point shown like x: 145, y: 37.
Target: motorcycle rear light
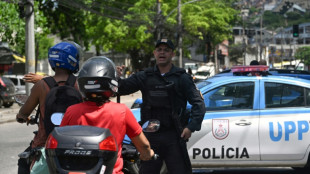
x: 51, y: 143
x: 108, y: 144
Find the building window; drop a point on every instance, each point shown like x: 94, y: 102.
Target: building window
x: 307, y: 29
x: 300, y: 41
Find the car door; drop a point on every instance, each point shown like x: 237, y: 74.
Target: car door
x: 229, y: 131
x: 284, y: 124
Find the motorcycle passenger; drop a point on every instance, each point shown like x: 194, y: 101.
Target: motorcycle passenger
x: 97, y: 83
x: 165, y: 91
x: 64, y: 60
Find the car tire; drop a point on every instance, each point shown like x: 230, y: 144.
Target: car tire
x: 7, y: 105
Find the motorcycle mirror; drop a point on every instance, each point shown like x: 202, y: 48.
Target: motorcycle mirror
x: 56, y: 118
x: 151, y: 126
x: 20, y: 98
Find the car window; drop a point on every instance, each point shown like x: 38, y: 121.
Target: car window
x: 231, y: 96
x: 22, y: 82
x: 203, y: 73
x: 284, y: 95
x: 202, y: 84
x: 14, y: 81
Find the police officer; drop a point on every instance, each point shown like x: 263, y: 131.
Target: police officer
x: 165, y: 91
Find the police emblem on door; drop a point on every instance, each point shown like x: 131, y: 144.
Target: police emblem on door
x: 220, y: 128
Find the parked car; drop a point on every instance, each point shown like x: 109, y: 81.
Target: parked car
x: 18, y: 82
x: 252, y: 121
x: 7, y: 92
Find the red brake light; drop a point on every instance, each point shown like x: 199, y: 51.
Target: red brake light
x: 108, y: 144
x: 51, y: 143
x: 251, y: 68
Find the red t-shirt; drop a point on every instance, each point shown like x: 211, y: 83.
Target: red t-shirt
x: 114, y: 116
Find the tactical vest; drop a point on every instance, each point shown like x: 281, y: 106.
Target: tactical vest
x: 158, y: 97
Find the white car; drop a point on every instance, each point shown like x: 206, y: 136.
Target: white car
x: 252, y: 121
x: 18, y: 82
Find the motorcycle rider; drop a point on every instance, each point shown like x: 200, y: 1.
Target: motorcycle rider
x: 97, y: 83
x: 165, y: 91
x: 64, y: 59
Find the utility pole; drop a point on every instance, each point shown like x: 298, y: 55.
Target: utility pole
x: 261, y: 34
x: 158, y: 20
x: 180, y: 42
x: 30, y: 53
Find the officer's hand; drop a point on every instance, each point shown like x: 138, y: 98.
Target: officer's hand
x: 32, y: 77
x: 186, y: 134
x: 119, y: 70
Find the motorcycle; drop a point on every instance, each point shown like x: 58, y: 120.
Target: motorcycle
x: 85, y: 149
x: 75, y: 149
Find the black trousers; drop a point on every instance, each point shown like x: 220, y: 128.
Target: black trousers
x: 167, y: 145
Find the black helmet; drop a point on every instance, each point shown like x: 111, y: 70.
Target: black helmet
x: 97, y: 79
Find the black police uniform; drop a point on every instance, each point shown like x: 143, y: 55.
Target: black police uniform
x: 165, y: 98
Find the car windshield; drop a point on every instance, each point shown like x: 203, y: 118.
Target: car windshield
x: 202, y: 84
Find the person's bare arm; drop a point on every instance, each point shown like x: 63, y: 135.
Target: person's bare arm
x: 32, y: 77
x: 143, y: 146
x: 30, y: 104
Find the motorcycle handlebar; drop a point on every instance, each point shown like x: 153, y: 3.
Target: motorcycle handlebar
x: 133, y: 153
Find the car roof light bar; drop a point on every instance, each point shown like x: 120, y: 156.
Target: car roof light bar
x: 251, y: 68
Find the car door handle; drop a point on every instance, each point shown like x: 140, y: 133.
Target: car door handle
x: 243, y: 123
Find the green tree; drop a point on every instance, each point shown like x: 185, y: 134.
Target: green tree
x: 12, y: 29
x: 208, y: 21
x: 65, y: 19
x: 127, y: 26
x: 303, y: 54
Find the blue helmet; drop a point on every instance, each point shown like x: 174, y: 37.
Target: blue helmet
x: 65, y: 55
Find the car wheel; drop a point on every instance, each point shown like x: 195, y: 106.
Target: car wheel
x: 7, y: 105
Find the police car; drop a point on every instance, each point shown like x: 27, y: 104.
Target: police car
x: 252, y: 120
